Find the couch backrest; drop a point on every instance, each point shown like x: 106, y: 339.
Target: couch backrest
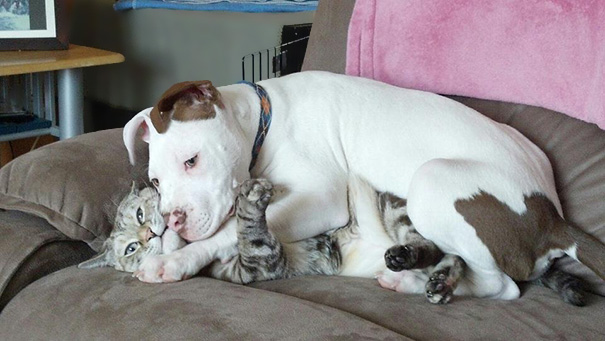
x: 328, y: 41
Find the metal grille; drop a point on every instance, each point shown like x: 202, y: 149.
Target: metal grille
x: 269, y: 63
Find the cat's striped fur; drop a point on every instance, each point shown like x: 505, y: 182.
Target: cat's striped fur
x: 263, y: 257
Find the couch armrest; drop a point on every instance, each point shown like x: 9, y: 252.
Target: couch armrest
x: 30, y: 248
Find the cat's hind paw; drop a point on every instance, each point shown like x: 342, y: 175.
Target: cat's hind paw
x: 438, y: 288
x: 401, y: 257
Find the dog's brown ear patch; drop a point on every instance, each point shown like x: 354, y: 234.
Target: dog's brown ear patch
x: 186, y: 101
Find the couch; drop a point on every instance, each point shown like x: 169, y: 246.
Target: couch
x: 54, y: 202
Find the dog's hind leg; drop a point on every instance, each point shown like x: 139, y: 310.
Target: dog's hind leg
x: 434, y: 190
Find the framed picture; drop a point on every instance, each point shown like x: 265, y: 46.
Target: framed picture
x: 33, y: 25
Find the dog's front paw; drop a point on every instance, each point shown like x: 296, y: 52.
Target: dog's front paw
x: 255, y: 193
x: 174, y: 267
x: 401, y: 257
x: 171, y: 241
x: 388, y: 280
x: 151, y: 269
x: 438, y: 288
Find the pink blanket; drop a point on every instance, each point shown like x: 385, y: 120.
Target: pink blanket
x: 549, y: 53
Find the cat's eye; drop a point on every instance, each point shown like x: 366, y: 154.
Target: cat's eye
x: 191, y: 162
x: 140, y: 216
x: 132, y: 247
x: 155, y: 182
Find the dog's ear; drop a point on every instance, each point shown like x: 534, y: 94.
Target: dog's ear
x: 208, y: 93
x: 139, y: 121
x: 186, y: 101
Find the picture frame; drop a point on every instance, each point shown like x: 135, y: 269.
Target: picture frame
x: 33, y: 25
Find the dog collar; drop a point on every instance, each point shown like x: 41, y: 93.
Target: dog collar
x: 264, y: 121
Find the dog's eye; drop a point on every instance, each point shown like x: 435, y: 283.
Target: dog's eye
x: 140, y: 216
x: 191, y: 162
x: 155, y: 182
x: 132, y: 247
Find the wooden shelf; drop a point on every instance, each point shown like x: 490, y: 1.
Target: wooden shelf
x: 23, y: 62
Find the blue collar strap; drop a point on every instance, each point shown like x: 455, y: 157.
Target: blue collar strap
x: 264, y: 121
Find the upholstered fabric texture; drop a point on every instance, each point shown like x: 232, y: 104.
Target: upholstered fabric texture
x: 74, y: 184
x: 545, y: 53
x: 538, y: 315
x: 329, y: 30
x: 30, y: 249
x: 109, y: 305
x: 103, y: 304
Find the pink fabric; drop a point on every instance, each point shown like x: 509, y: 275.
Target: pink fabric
x: 549, y: 53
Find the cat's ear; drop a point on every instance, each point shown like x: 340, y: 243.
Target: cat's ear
x: 104, y: 258
x: 134, y: 190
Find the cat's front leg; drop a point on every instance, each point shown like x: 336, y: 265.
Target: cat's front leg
x: 191, y: 259
x: 444, y: 279
x: 261, y: 255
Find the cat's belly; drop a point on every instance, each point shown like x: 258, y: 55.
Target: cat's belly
x: 362, y: 258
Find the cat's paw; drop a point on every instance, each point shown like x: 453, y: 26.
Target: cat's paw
x: 255, y: 193
x: 438, y: 289
x: 165, y: 268
x: 401, y: 257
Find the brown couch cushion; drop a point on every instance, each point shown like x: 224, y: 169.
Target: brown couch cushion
x: 537, y: 315
x: 30, y: 249
x: 73, y: 184
x: 103, y: 304
x: 328, y: 41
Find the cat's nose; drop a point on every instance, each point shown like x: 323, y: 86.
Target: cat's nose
x: 175, y: 220
x: 149, y: 234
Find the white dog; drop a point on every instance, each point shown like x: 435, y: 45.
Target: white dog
x: 476, y: 188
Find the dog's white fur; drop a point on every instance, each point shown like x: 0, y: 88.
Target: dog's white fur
x: 420, y: 146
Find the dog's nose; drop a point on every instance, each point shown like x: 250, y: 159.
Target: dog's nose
x: 176, y: 219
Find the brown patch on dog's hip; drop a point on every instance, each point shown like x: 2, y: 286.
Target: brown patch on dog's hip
x: 516, y: 241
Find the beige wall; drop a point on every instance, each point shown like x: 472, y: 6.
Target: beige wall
x: 163, y: 47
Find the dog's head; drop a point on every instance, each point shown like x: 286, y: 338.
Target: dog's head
x: 196, y: 159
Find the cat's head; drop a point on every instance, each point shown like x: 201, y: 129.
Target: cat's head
x: 137, y: 232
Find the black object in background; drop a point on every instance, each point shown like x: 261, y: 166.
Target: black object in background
x: 293, y: 53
